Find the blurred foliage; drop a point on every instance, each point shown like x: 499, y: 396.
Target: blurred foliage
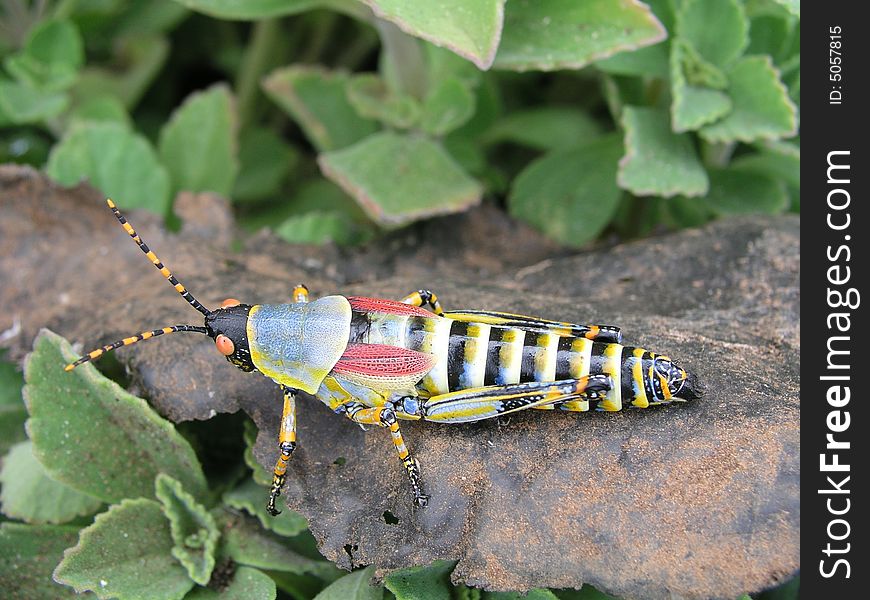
x: 335, y: 120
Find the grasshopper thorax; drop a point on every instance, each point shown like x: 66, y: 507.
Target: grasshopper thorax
x: 228, y: 327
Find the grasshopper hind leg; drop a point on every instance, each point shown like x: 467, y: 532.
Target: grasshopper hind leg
x: 286, y: 445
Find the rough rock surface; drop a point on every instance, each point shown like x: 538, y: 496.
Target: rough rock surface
x: 693, y: 501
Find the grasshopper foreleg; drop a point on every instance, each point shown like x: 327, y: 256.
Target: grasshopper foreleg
x: 286, y: 445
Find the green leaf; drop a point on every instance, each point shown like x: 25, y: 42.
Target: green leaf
x: 126, y: 553
x: 198, y: 145
x: 732, y: 29
x: 570, y: 195
x: 247, y: 543
x: 20, y: 103
x: 734, y: 192
x: 99, y: 109
x: 121, y: 163
x: 354, y: 586
x: 762, y: 108
x: 651, y: 61
x: 51, y: 56
x: 781, y: 166
x: 658, y: 162
x: 316, y: 99
x: 430, y: 582
x: 247, y: 584
x: 373, y: 99
x: 470, y: 29
x: 194, y: 531
x: 265, y: 161
x: 448, y: 106
x: 686, y: 212
x: 95, y: 437
x: 252, y: 10
x: 692, y: 105
x: 320, y: 227
x: 251, y: 497
x: 564, y: 34
x: 29, y: 494
x: 28, y: 555
x: 398, y: 179
x: 12, y: 411
x: 545, y: 128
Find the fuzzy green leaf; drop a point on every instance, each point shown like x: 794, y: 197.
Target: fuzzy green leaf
x: 430, y: 582
x: 28, y: 555
x: 686, y: 212
x: 247, y: 584
x: 251, y: 497
x: 251, y: 10
x: 783, y: 166
x: 101, y: 109
x: 470, y: 29
x: 732, y: 29
x: 92, y: 435
x: 126, y: 553
x: 30, y: 495
x: 657, y: 161
x: 265, y: 161
x: 734, y: 191
x: 114, y: 159
x: 448, y: 106
x: 762, y: 108
x: 21, y: 103
x: 398, y: 179
x: 692, y: 105
x: 651, y: 61
x: 564, y: 34
x: 570, y: 195
x: 194, y: 531
x: 198, y: 145
x: 316, y: 99
x: 373, y: 99
x: 247, y: 543
x: 320, y: 227
x: 12, y: 411
x: 354, y: 586
x: 51, y: 56
x: 545, y: 128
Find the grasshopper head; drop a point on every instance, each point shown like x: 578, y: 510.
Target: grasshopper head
x: 227, y: 326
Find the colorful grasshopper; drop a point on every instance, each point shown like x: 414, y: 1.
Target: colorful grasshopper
x: 379, y: 361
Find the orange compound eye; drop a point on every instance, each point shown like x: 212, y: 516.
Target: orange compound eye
x: 224, y: 344
x: 229, y: 302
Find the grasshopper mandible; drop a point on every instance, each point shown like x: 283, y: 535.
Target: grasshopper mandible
x: 381, y: 361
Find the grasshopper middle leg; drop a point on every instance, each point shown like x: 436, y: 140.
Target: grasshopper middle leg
x: 286, y: 445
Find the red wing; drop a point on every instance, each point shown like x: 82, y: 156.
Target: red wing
x: 386, y: 361
x: 393, y: 307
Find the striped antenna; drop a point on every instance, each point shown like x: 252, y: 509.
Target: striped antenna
x: 94, y: 354
x: 156, y: 261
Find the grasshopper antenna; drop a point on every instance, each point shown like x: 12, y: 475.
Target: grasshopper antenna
x: 94, y: 354
x: 169, y: 276
x: 156, y: 261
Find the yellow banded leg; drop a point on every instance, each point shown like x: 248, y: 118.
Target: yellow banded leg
x: 424, y: 298
x: 385, y: 416
x: 300, y: 294
x: 286, y: 445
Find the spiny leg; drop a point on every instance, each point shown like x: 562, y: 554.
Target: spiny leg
x: 476, y: 404
x: 286, y: 444
x: 424, y: 298
x: 385, y: 416
x: 300, y: 294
